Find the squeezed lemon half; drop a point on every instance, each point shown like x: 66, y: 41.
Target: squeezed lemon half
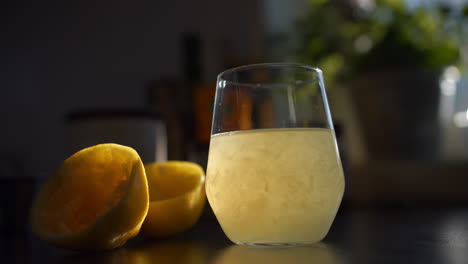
x: 177, y: 197
x: 96, y: 199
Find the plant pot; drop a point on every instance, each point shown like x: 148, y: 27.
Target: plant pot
x: 397, y: 110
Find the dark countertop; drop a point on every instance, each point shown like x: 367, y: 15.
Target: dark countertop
x: 357, y: 236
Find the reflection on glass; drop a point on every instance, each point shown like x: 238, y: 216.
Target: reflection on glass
x: 147, y: 253
x: 317, y: 253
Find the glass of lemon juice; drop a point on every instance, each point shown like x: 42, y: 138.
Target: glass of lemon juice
x: 274, y: 174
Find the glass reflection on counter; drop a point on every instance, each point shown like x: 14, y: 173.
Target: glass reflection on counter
x: 317, y: 253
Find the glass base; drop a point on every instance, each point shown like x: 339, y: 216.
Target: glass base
x: 277, y: 245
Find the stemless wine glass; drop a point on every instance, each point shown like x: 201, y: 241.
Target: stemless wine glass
x: 274, y: 174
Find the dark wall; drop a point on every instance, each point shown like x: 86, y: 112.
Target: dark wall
x: 57, y: 56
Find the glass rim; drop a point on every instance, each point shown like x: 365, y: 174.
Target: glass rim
x: 269, y: 65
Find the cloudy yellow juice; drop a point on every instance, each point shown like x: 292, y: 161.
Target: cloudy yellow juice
x: 275, y: 186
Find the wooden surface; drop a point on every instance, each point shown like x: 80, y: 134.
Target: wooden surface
x: 370, y: 236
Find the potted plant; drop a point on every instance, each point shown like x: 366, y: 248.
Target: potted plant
x: 388, y: 55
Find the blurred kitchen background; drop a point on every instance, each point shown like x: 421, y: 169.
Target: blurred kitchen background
x: 142, y: 73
